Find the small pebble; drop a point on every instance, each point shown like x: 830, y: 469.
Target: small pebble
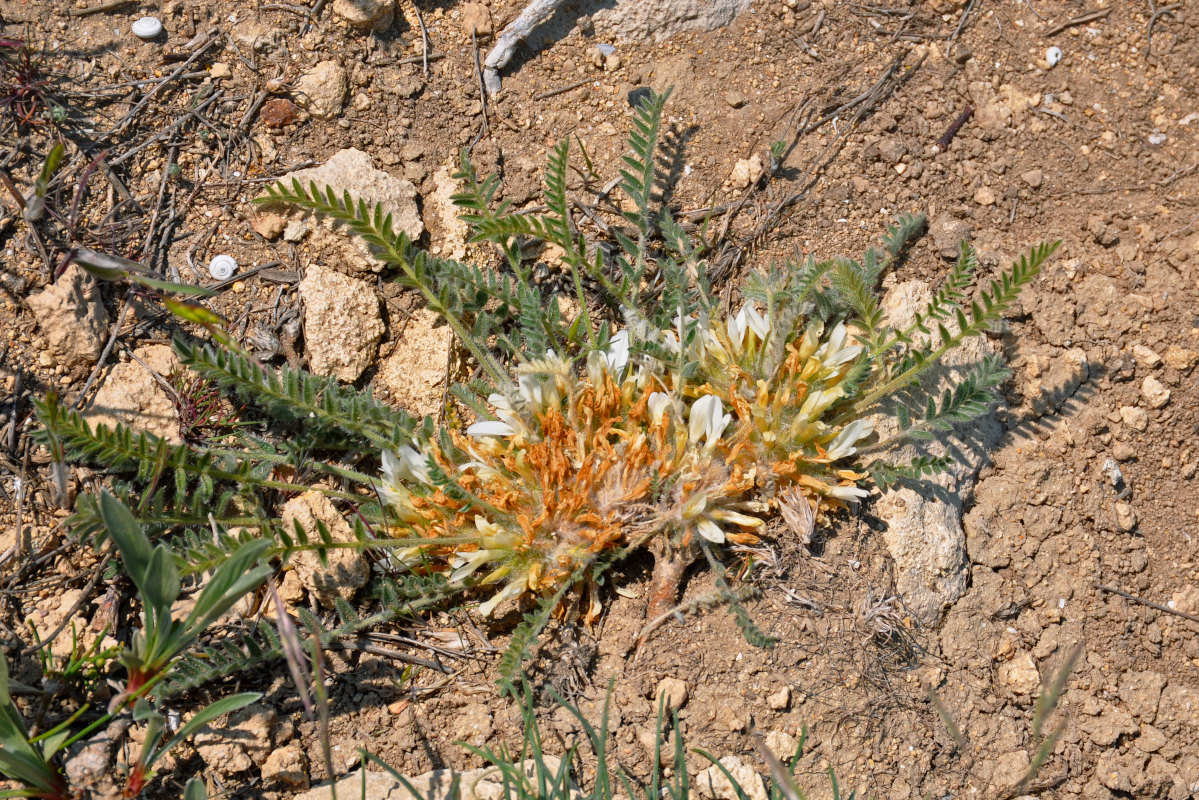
x: 146, y: 28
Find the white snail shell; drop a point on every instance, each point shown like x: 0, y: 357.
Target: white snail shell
x: 1053, y: 55
x: 146, y: 28
x: 222, y: 267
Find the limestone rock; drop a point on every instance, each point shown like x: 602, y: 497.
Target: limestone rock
x: 322, y: 90
x: 71, y: 318
x: 1180, y: 358
x: 414, y: 373
x: 346, y: 569
x: 342, y: 325
x: 474, y: 784
x: 948, y: 234
x: 656, y: 20
x: 366, y: 15
x: 354, y: 171
x: 712, y: 783
x: 1020, y: 674
x: 287, y: 766
x: 1154, y: 392
x: 449, y: 233
x: 747, y: 171
x: 673, y: 694
x: 477, y: 19
x: 924, y: 528
x: 131, y: 396
x: 240, y: 744
x: 778, y: 701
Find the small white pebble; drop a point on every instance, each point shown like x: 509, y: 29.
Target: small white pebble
x: 146, y: 28
x: 1061, y: 603
x: 1053, y: 55
x: 222, y: 267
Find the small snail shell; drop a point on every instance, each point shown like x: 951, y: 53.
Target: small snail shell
x: 222, y: 267
x: 146, y: 28
x: 1053, y: 55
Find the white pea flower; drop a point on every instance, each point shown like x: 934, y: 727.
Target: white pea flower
x: 406, y: 464
x: 617, y: 354
x: 843, y: 444
x: 747, y: 319
x: 659, y: 404
x: 708, y: 420
x: 834, y: 353
x: 848, y: 493
x: 513, y: 589
x: 818, y: 401
x: 507, y: 424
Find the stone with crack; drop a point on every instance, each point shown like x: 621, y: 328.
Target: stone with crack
x: 71, y: 318
x: 342, y: 323
x: 924, y: 531
x: 131, y: 395
x: 345, y: 569
x: 352, y: 171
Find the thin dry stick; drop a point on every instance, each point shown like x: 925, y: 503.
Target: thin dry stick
x: 1149, y: 603
x: 562, y: 90
x: 425, y: 42
x: 958, y: 31
x: 133, y: 112
x: 1157, y: 13
x: 1080, y: 20
x: 474, y: 40
x: 112, y: 5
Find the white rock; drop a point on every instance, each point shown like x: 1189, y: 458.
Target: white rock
x: 747, y: 171
x: 342, y: 324
x: 1134, y: 417
x: 924, y: 528
x: 778, y: 701
x: 1020, y: 674
x: 346, y: 568
x: 131, y: 396
x: 449, y: 231
x: 414, y: 372
x: 673, y: 693
x: 712, y: 783
x: 354, y: 171
x: 72, y: 318
x: 366, y: 15
x: 322, y: 90
x: 1154, y: 392
x: 782, y: 744
x: 1145, y: 356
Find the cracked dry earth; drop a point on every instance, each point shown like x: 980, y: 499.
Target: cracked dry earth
x: 1086, y: 505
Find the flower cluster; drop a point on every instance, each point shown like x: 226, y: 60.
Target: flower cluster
x: 622, y: 451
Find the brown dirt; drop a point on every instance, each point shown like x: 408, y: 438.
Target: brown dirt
x: 1087, y: 166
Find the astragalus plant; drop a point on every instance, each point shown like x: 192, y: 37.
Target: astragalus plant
x: 653, y: 416
x: 637, y: 412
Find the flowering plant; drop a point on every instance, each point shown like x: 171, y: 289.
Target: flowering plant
x: 643, y: 413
